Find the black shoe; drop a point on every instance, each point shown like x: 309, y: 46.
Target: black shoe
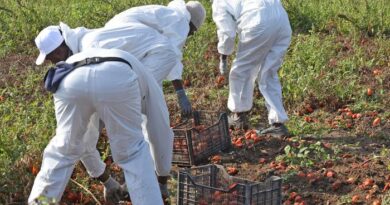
x: 276, y: 130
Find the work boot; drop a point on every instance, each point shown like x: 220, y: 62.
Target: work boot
x: 163, y: 183
x: 276, y: 130
x: 238, y: 120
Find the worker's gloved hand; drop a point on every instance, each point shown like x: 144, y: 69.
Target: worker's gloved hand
x: 113, y: 191
x: 125, y: 193
x: 184, y: 103
x: 223, y: 69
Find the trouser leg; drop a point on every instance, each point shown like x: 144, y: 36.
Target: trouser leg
x: 64, y: 149
x: 245, y: 68
x: 159, y: 132
x: 268, y: 80
x: 129, y: 149
x: 142, y: 182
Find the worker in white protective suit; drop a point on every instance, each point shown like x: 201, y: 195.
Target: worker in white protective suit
x: 147, y: 45
x: 159, y: 57
x: 155, y: 110
x: 264, y: 34
x: 176, y: 21
x: 115, y: 93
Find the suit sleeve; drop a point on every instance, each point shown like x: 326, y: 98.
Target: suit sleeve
x: 226, y: 27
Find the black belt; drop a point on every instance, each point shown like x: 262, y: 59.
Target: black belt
x: 97, y: 60
x: 55, y: 74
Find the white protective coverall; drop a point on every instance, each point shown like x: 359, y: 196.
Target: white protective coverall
x: 146, y: 44
x: 264, y: 34
x: 172, y: 21
x: 158, y: 56
x: 115, y: 93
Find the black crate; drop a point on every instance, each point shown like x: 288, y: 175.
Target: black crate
x: 196, y: 139
x: 212, y: 185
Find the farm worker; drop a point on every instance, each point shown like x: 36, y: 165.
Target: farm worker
x: 176, y: 21
x: 111, y: 91
x: 159, y: 57
x: 156, y: 112
x: 145, y: 43
x: 264, y: 34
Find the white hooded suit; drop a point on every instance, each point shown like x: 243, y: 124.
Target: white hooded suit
x: 264, y: 35
x: 172, y: 21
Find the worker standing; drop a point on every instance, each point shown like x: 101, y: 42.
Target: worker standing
x: 264, y: 35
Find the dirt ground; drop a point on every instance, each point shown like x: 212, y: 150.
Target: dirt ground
x: 352, y: 176
x: 342, y: 168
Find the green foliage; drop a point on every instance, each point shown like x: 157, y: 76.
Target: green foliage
x: 304, y: 155
x: 27, y: 117
x: 27, y: 123
x: 368, y: 17
x: 199, y: 56
x: 22, y: 20
x: 306, y: 61
x: 299, y: 126
x: 327, y: 68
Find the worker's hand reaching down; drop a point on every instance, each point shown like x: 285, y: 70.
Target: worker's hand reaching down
x: 184, y: 103
x: 113, y: 191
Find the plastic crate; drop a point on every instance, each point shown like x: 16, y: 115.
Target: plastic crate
x: 211, y: 185
x: 198, y: 138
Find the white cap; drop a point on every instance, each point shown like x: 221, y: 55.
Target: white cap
x: 197, y: 11
x: 47, y: 41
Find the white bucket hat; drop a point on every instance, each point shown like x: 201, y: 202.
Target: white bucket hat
x: 197, y: 11
x: 47, y: 41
